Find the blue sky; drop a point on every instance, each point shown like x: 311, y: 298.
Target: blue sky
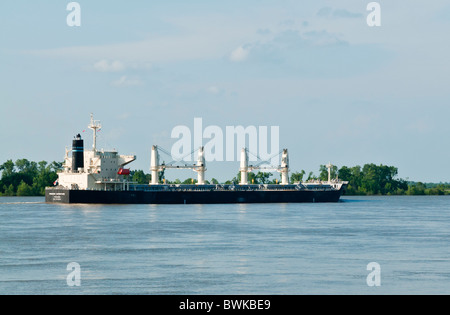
x: 339, y: 90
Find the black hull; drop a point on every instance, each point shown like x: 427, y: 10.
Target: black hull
x: 189, y: 197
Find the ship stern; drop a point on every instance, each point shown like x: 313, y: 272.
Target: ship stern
x: 54, y: 195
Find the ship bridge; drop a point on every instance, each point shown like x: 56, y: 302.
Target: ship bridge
x: 94, y: 169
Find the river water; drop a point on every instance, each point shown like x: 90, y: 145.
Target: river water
x: 227, y: 249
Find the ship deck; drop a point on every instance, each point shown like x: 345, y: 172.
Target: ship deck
x: 266, y: 187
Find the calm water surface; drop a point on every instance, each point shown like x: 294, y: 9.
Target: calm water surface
x: 227, y: 249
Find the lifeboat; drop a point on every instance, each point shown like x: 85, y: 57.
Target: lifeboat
x: 123, y: 171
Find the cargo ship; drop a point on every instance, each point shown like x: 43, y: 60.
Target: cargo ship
x: 101, y: 177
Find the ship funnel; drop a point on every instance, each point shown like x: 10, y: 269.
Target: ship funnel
x: 77, y: 154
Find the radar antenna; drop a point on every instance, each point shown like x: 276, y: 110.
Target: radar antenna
x: 94, y: 125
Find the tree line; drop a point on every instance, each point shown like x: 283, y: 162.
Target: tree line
x: 370, y: 179
x: 27, y: 178
x: 374, y: 179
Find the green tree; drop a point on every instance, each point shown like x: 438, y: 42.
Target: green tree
x: 36, y: 176
x: 140, y: 177
x: 9, y: 191
x: 24, y: 190
x: 311, y: 176
x: 189, y: 181
x: 275, y: 181
x: 416, y: 189
x: 323, y: 172
x: 26, y: 167
x: 372, y: 179
x: 56, y: 166
x: 162, y: 176
x: 345, y: 173
x: 7, y: 168
x: 436, y: 190
x: 263, y: 177
x: 45, y: 177
x: 297, y: 177
x: 251, y: 179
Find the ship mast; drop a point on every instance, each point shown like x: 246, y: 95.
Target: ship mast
x: 329, y: 166
x: 94, y: 125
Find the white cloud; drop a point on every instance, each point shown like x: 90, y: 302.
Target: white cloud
x: 124, y: 81
x: 239, y: 54
x: 145, y: 53
x: 213, y: 90
x: 328, y: 12
x: 106, y: 66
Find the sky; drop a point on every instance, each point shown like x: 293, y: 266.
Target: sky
x: 339, y: 90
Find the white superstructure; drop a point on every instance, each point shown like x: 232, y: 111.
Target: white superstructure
x: 103, y: 170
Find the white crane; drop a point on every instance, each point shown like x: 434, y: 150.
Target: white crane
x: 283, y: 168
x: 156, y: 167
